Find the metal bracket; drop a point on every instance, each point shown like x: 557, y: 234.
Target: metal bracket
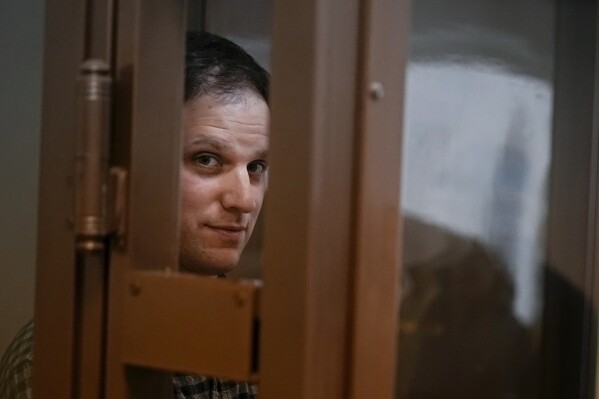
x: 117, y: 215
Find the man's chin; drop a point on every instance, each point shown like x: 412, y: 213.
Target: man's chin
x: 212, y: 267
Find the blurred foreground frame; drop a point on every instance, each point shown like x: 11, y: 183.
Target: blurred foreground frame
x: 324, y: 276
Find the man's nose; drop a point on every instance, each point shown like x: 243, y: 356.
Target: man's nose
x: 238, y: 193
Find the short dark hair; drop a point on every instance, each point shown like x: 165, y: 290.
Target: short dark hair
x: 217, y: 66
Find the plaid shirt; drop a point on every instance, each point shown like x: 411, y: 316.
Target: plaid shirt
x: 16, y: 365
x: 196, y: 387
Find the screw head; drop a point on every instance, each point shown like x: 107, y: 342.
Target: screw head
x: 377, y: 90
x: 134, y: 288
x: 241, y: 298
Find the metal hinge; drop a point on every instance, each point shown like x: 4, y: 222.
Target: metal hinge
x: 100, y: 198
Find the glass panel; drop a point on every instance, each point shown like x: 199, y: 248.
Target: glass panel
x: 476, y: 164
x: 246, y: 23
x: 21, y: 82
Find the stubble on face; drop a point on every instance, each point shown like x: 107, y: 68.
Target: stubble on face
x: 223, y: 180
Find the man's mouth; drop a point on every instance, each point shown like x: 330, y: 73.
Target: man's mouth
x: 228, y: 232
x: 228, y: 227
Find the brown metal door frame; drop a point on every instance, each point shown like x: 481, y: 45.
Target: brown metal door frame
x: 378, y: 233
x: 70, y: 292
x: 149, y: 97
x: 53, y: 351
x: 332, y: 231
x: 308, y: 216
x: 337, y: 106
x: 71, y: 297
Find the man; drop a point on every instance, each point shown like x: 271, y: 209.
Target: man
x: 223, y: 176
x: 223, y: 181
x: 223, y: 173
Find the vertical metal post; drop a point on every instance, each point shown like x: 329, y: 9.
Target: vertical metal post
x: 149, y: 65
x: 55, y: 274
x: 332, y: 234
x: 73, y: 217
x: 308, y: 217
x: 378, y: 236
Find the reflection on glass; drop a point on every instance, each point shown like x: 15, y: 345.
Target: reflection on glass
x: 476, y: 161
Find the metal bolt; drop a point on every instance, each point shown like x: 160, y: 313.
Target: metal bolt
x: 134, y: 288
x: 377, y: 90
x: 241, y: 298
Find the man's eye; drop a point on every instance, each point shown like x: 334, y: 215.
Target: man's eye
x: 257, y: 167
x: 206, y: 160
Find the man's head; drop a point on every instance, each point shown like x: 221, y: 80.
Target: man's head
x: 225, y: 141
x: 217, y: 66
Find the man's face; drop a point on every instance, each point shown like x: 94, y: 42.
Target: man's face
x: 223, y: 180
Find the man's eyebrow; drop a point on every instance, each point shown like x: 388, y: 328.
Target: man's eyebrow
x: 262, y: 154
x: 219, y: 145
x: 211, y: 141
